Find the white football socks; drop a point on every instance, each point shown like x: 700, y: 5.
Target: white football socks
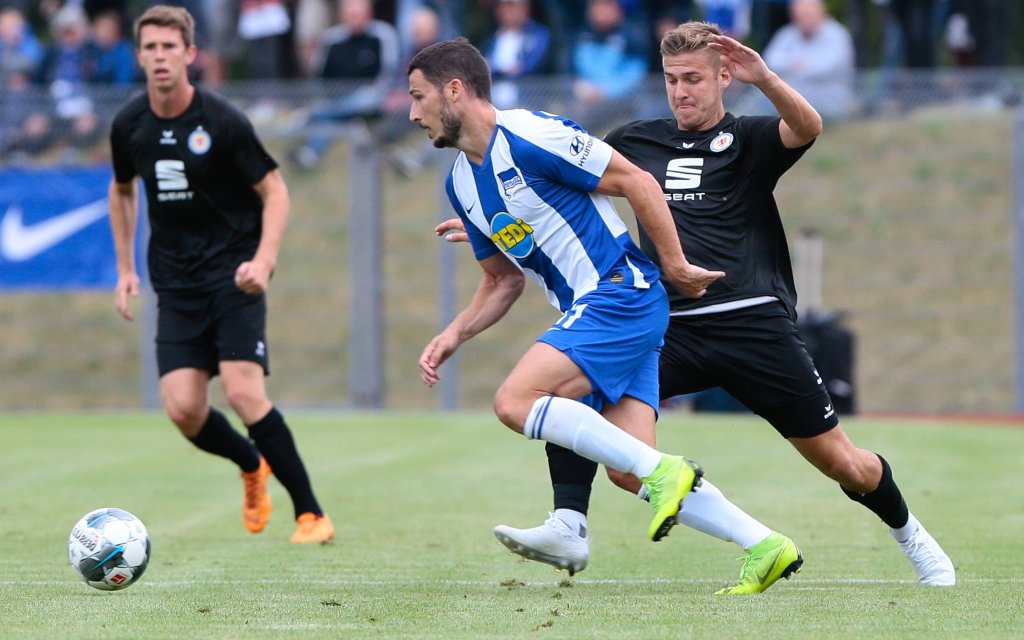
x: 576, y: 426
x: 906, y: 531
x: 575, y: 520
x: 707, y: 510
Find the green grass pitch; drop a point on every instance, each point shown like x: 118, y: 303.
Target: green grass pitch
x: 414, y: 498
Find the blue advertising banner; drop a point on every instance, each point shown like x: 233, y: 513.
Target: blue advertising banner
x: 54, y: 229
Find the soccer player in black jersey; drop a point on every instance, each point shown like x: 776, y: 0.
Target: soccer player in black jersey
x: 718, y: 173
x: 217, y: 207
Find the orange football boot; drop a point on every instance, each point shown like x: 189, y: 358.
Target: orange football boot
x: 256, y: 502
x: 313, y: 528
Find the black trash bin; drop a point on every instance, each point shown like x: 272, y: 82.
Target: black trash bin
x: 831, y: 345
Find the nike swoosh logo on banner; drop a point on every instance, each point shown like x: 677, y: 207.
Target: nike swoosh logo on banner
x: 19, y: 242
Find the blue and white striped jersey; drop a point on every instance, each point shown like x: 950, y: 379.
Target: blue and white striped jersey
x: 532, y: 198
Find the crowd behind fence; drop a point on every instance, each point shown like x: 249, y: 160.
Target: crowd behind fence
x: 902, y: 296
x: 65, y: 66
x: 286, y: 109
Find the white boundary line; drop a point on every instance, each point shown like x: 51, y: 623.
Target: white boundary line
x: 796, y: 583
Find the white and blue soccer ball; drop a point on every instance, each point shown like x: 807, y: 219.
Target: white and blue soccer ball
x: 109, y: 548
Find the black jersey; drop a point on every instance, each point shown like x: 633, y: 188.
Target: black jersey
x: 199, y: 170
x: 718, y: 184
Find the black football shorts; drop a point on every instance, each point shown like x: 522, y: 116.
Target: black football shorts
x: 200, y: 330
x: 757, y: 355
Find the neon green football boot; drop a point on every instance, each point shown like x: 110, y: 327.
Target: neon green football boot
x: 774, y: 557
x: 667, y: 486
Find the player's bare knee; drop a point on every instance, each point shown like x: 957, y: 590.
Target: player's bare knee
x: 510, y: 411
x: 849, y: 474
x: 243, y: 398
x: 188, y: 417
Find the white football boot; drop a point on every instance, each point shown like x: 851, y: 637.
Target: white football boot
x: 930, y: 562
x: 553, y: 543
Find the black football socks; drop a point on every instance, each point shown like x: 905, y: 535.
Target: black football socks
x: 885, y: 501
x: 218, y: 437
x: 275, y: 442
x: 572, y: 477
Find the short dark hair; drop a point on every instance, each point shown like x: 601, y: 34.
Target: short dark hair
x: 162, y: 15
x: 688, y: 37
x: 450, y: 59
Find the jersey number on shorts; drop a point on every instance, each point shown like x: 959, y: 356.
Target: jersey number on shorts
x: 571, y: 316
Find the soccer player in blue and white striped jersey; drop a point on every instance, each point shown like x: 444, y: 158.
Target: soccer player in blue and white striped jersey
x: 532, y: 190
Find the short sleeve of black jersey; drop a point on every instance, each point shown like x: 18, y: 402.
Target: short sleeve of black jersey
x: 763, y: 133
x: 614, y: 137
x: 253, y: 160
x: 120, y: 140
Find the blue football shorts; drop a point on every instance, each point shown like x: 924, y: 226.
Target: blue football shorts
x: 614, y: 334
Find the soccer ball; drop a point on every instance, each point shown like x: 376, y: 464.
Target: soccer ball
x: 109, y: 548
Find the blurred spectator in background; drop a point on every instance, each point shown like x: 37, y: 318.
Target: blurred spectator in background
x: 814, y: 55
x: 24, y: 124
x: 216, y: 38
x: 266, y: 29
x: 17, y: 39
x: 566, y: 20
x: 111, y: 55
x: 959, y: 41
x: 665, y: 16
x: 731, y: 16
x: 94, y: 8
x: 312, y: 17
x: 245, y: 40
x: 519, y: 47
x: 424, y: 28
x: 976, y: 35
x: 988, y: 22
x: 450, y: 15
x: 679, y: 10
x: 362, y: 50
x: 65, y: 71
x: 609, y: 64
x: 358, y: 47
x: 767, y: 17
x: 917, y: 28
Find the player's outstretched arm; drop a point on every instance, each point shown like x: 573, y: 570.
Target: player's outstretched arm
x: 623, y: 178
x: 801, y: 123
x: 501, y: 285
x: 124, y: 216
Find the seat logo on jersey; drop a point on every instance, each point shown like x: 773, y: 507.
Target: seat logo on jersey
x: 171, y: 181
x: 510, y: 181
x: 199, y: 142
x: 683, y: 173
x: 512, y: 235
x: 721, y: 142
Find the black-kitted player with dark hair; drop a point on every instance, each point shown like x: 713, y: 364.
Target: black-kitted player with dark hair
x: 217, y: 207
x: 718, y: 173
